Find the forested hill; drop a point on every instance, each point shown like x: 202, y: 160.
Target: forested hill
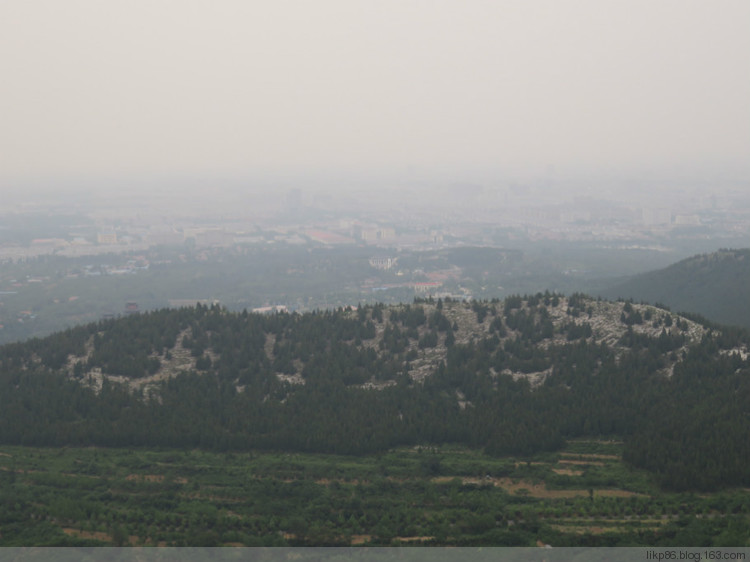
x: 511, y: 377
x: 715, y: 285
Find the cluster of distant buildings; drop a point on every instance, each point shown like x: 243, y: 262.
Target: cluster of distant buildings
x: 470, y: 217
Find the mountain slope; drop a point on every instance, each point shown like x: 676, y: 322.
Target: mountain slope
x: 715, y: 285
x: 512, y: 377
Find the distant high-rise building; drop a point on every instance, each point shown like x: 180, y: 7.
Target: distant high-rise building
x: 106, y: 238
x: 656, y: 216
x: 294, y: 199
x: 384, y: 263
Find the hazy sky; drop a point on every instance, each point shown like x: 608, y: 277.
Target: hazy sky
x: 94, y: 88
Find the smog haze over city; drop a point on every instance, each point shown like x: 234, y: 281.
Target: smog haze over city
x: 613, y: 137
x: 144, y: 96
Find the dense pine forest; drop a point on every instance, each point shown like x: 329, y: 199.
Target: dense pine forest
x: 513, y: 377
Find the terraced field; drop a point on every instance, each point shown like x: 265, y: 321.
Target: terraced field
x: 583, y: 495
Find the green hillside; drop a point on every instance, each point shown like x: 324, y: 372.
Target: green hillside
x: 513, y: 377
x: 715, y: 285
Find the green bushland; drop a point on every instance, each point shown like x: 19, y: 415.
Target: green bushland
x: 432, y: 496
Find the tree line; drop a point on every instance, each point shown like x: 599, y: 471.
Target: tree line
x: 691, y: 429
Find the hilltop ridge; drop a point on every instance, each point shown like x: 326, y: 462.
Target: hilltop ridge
x: 511, y: 377
x: 715, y: 285
x: 416, y: 336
